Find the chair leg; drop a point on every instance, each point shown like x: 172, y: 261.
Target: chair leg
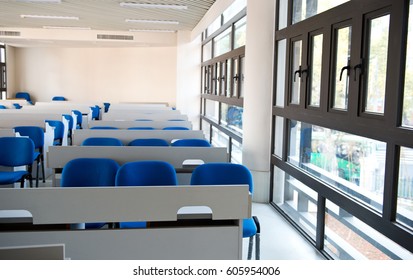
x: 43, y: 173
x: 37, y: 172
x: 250, y: 245
x: 30, y: 177
x: 257, y: 246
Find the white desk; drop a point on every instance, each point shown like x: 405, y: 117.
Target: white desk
x: 217, y: 237
x: 128, y: 124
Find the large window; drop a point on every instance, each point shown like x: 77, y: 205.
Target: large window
x: 3, y: 78
x: 342, y: 115
x: 223, y: 63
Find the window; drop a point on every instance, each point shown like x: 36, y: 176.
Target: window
x: 3, y: 77
x: 342, y: 125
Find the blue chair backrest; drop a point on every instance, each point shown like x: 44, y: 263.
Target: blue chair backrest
x: 191, y: 143
x: 102, y: 141
x: 146, y: 173
x: 85, y: 172
x: 144, y: 120
x: 141, y: 128
x: 58, y: 128
x: 222, y: 173
x: 70, y: 120
x: 106, y: 106
x: 78, y: 117
x: 149, y: 142
x: 175, y: 128
x: 3, y: 107
x: 95, y: 112
x: 23, y: 95
x: 16, y: 151
x: 59, y: 98
x: 104, y: 127
x: 36, y: 133
x: 17, y: 105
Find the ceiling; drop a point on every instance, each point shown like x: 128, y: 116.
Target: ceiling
x: 95, y: 16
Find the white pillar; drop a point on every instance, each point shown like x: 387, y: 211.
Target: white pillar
x: 188, y: 77
x: 259, y: 60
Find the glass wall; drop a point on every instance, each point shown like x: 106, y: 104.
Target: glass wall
x: 342, y: 125
x: 223, y: 67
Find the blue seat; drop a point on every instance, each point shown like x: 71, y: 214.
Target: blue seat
x: 145, y: 173
x: 144, y: 120
x: 175, y: 128
x: 79, y: 118
x: 16, y: 151
x: 149, y: 142
x: 24, y: 95
x: 58, y: 98
x: 104, y: 127
x: 141, y: 128
x: 101, y: 141
x: 230, y: 174
x: 191, y: 143
x: 17, y: 106
x: 90, y: 172
x: 35, y: 133
x: 59, y: 130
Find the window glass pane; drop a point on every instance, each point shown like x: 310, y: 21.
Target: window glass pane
x: 214, y: 26
x: 405, y: 188
x: 206, y: 129
x: 341, y: 73
x: 408, y: 81
x: 278, y: 137
x: 282, y: 14
x: 218, y: 78
x: 222, y: 43
x: 350, y: 163
x: 207, y: 51
x: 240, y: 32
x: 228, y: 78
x: 349, y: 238
x: 2, y: 55
x: 3, y: 95
x: 235, y: 78
x: 296, y: 74
x: 281, y: 63
x: 303, y: 9
x: 231, y: 117
x: 211, y: 109
x: 315, y: 68
x: 234, y: 9
x: 377, y: 64
x: 297, y: 200
x: 236, y: 152
x: 219, y: 139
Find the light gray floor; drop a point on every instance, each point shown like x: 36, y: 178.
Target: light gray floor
x: 279, y: 240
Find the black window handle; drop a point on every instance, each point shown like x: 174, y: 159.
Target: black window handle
x: 300, y: 72
x: 347, y: 68
x: 360, y: 67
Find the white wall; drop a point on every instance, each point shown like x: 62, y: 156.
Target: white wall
x: 146, y: 74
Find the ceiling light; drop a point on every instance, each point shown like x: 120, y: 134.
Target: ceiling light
x: 48, y: 17
x: 152, y: 30
x: 67, y: 27
x: 40, y: 1
x: 152, y: 6
x: 152, y: 21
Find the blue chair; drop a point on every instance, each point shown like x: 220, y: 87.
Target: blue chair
x: 176, y: 120
x: 149, y: 142
x: 71, y: 122
x: 24, y: 95
x: 191, y: 143
x: 90, y: 172
x: 106, y: 106
x: 17, y: 106
x: 35, y: 133
x: 141, y: 128
x: 104, y: 127
x: 95, y: 112
x: 16, y: 151
x: 59, y: 130
x: 79, y: 118
x: 175, y: 128
x: 58, y: 98
x: 101, y: 141
x: 3, y: 107
x: 230, y: 174
x: 144, y: 120
x: 145, y: 173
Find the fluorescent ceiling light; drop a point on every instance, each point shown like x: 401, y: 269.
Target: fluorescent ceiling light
x: 48, y: 17
x: 40, y: 1
x: 152, y: 6
x: 152, y: 21
x: 67, y: 27
x: 152, y: 30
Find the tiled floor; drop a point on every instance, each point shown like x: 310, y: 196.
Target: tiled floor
x: 279, y: 240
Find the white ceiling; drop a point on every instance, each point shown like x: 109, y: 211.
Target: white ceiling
x: 101, y: 16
